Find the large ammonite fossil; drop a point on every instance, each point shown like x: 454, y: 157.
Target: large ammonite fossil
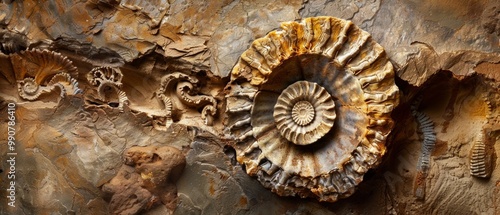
x: 309, y: 107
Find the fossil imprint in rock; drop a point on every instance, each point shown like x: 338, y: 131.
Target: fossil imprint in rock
x: 482, y: 153
x: 309, y: 108
x: 40, y: 72
x: 108, y: 82
x: 181, y: 91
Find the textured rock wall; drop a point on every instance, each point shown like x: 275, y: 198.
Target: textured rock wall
x: 174, y: 60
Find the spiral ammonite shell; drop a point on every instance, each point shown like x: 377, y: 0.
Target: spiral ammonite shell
x: 309, y: 107
x: 41, y: 71
x: 304, y: 112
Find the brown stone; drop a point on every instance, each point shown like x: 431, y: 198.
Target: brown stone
x: 145, y: 180
x: 71, y: 146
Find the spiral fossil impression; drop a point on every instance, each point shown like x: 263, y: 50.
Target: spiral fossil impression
x: 309, y: 107
x: 41, y: 71
x: 304, y: 112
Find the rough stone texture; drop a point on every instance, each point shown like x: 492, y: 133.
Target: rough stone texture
x: 213, y: 184
x: 145, y: 180
x: 448, y: 52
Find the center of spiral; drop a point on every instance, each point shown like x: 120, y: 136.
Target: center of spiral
x: 303, y: 113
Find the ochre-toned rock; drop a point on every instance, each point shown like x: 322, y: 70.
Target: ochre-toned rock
x: 71, y: 145
x: 145, y: 180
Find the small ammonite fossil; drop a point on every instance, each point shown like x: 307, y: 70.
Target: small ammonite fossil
x: 41, y: 71
x: 309, y: 108
x: 304, y: 112
x: 108, y: 81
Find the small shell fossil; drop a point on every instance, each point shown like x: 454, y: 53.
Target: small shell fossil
x: 108, y: 81
x: 304, y: 112
x: 38, y: 72
x: 489, y: 109
x: 309, y: 107
x: 102, y: 75
x: 185, y: 89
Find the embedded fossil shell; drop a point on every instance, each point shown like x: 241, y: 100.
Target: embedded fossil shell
x: 482, y: 153
x: 38, y: 72
x: 108, y: 81
x: 185, y: 89
x: 480, y: 160
x: 102, y: 75
x: 309, y: 107
x: 28, y: 89
x: 41, y: 65
x: 490, y: 117
x: 481, y: 156
x: 304, y: 112
x: 426, y: 126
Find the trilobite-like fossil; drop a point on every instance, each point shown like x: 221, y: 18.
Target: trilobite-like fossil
x: 480, y: 159
x: 481, y: 162
x: 309, y: 107
x: 426, y: 126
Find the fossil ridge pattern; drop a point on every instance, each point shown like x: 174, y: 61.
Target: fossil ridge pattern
x: 480, y: 159
x: 40, y: 72
x: 481, y: 154
x: 349, y: 115
x: 108, y: 82
x: 304, y: 112
x: 427, y: 127
x: 185, y: 89
x: 491, y: 116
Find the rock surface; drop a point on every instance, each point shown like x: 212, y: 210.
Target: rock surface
x: 145, y: 180
x: 70, y: 148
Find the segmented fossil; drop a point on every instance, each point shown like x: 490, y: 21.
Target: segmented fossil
x: 108, y: 82
x: 489, y: 109
x: 39, y: 72
x: 480, y: 159
x: 309, y: 108
x: 185, y: 89
x: 168, y: 110
x: 481, y: 154
x: 427, y: 128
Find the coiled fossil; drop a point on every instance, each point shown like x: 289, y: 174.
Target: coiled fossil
x: 309, y: 107
x: 41, y: 72
x: 108, y: 82
x: 185, y: 89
